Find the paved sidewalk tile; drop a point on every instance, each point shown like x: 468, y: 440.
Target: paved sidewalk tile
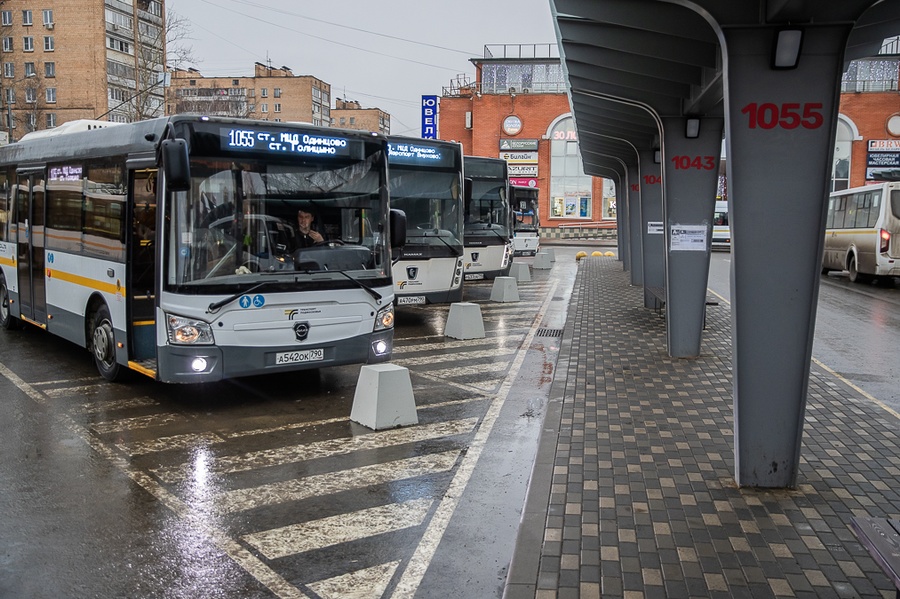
x: 639, y: 498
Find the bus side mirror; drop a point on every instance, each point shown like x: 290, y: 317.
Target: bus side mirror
x: 398, y: 228
x: 467, y: 190
x: 176, y: 164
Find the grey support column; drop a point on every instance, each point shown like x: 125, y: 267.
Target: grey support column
x: 635, y: 237
x: 780, y: 134
x: 652, y: 229
x: 623, y: 237
x: 691, y: 167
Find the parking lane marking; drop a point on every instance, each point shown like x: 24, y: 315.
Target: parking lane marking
x: 342, y: 528
x: 361, y: 584
x: 281, y: 456
x: 297, y: 489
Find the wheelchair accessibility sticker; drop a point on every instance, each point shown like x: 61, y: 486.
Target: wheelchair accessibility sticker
x: 257, y: 301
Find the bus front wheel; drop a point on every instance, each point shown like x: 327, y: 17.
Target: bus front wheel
x: 103, y: 344
x: 7, y: 320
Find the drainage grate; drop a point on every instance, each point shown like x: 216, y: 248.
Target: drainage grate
x: 549, y: 333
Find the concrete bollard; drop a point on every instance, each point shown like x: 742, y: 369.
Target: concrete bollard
x: 521, y: 271
x: 384, y: 397
x: 464, y: 321
x: 550, y: 253
x: 542, y: 261
x: 504, y: 290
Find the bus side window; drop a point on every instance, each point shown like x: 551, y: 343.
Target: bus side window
x: 839, y: 212
x: 4, y: 206
x: 875, y: 209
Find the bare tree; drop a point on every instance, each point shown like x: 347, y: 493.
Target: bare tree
x: 158, y: 47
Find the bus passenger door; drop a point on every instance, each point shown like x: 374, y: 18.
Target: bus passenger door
x: 30, y: 253
x: 142, y: 265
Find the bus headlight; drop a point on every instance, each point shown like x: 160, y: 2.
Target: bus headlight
x: 188, y: 331
x: 385, y: 318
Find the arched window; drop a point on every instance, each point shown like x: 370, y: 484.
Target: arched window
x: 843, y: 145
x: 570, y: 188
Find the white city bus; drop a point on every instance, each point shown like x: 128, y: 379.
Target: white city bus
x: 426, y: 183
x: 721, y: 231
x: 165, y: 246
x: 526, y: 230
x: 862, y: 232
x: 487, y: 225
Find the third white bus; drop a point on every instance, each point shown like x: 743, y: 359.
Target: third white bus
x: 862, y: 232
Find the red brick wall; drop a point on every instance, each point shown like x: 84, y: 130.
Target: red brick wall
x: 536, y: 111
x: 869, y: 112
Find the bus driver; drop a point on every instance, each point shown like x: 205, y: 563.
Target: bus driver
x: 306, y: 235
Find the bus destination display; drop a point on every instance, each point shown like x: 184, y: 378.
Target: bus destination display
x: 287, y: 142
x: 419, y: 155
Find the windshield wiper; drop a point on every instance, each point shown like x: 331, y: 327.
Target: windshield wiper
x: 216, y: 305
x: 456, y: 252
x: 360, y: 284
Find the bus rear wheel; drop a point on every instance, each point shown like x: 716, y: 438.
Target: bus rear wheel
x: 103, y: 344
x: 7, y: 320
x: 855, y: 275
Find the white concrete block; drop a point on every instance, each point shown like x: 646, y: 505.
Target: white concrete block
x: 384, y: 397
x: 542, y: 261
x: 504, y: 290
x: 464, y: 321
x: 521, y: 271
x: 550, y: 253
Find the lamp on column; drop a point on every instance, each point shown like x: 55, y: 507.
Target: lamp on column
x: 786, y: 53
x: 656, y: 157
x: 692, y: 128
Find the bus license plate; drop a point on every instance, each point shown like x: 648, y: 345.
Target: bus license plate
x: 296, y: 357
x: 411, y: 299
x: 475, y: 276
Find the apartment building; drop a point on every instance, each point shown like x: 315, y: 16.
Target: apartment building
x: 349, y: 114
x: 272, y: 94
x: 53, y: 72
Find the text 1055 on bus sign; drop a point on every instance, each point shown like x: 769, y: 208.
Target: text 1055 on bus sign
x: 789, y: 115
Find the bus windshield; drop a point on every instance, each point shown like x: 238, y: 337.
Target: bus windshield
x: 240, y: 222
x: 488, y: 213
x: 430, y: 200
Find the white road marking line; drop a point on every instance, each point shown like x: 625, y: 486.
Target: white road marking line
x: 467, y: 370
x: 280, y: 456
x: 494, y: 341
x: 326, y: 532
x: 187, y: 441
x: 117, y: 404
x: 81, y: 391
x: 458, y: 356
x: 85, y: 379
x: 284, y: 427
x: 421, y: 559
x: 136, y: 423
x: 361, y: 584
x: 297, y: 489
x: 190, y: 516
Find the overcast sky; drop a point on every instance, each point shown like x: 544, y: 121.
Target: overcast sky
x: 383, y: 54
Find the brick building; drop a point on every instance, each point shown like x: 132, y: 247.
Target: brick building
x: 65, y: 60
x: 348, y: 114
x: 517, y: 108
x: 868, y: 130
x: 271, y: 94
